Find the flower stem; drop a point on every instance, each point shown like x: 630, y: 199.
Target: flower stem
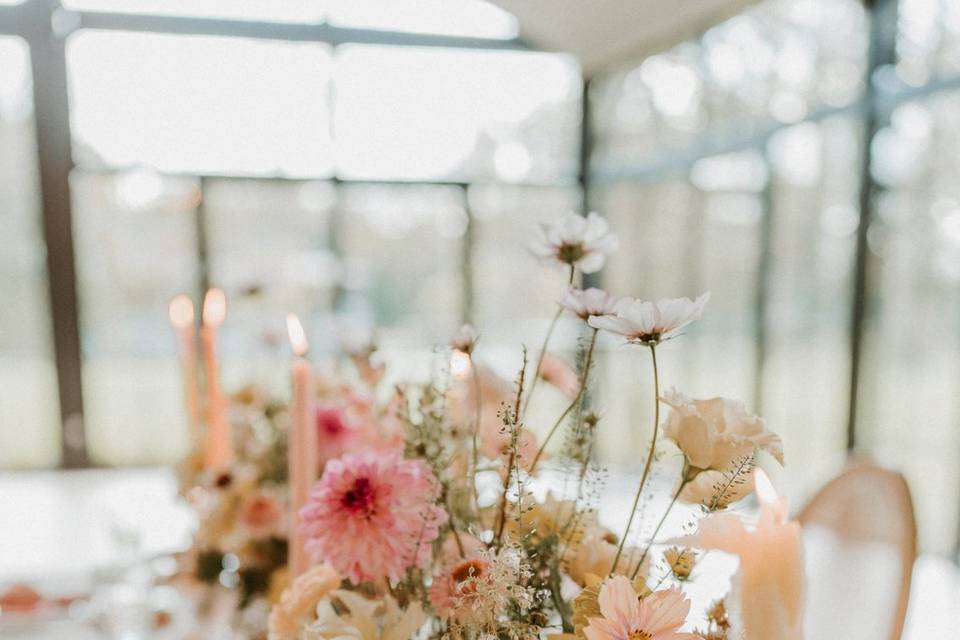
x: 580, y: 393
x: 656, y: 531
x: 653, y: 448
x: 546, y: 342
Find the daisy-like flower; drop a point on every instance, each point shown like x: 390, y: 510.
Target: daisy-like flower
x: 651, y: 322
x: 373, y: 515
x: 625, y: 616
x: 584, y: 303
x: 574, y: 240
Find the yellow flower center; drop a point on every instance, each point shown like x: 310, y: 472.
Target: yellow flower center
x: 640, y: 634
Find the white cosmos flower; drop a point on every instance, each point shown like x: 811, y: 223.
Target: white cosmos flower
x: 584, y: 303
x: 581, y: 242
x: 651, y: 322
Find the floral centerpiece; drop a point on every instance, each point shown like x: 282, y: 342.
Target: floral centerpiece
x: 460, y: 532
x: 240, y: 547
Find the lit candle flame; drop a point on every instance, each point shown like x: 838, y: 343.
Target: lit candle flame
x: 181, y: 311
x: 298, y: 339
x: 766, y: 494
x: 214, y: 308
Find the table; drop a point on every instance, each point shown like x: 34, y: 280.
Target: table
x: 60, y: 528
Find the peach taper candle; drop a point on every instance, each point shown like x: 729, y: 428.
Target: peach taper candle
x: 302, y: 443
x: 182, y: 317
x: 219, y: 446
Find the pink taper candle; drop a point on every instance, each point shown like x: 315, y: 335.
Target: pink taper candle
x: 769, y: 586
x: 181, y: 317
x: 302, y: 444
x: 219, y: 448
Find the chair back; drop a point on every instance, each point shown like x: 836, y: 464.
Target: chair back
x: 860, y: 541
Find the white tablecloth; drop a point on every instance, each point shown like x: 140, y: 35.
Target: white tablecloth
x: 57, y: 529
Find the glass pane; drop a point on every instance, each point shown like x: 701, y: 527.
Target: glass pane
x: 450, y: 17
x: 269, y: 248
x: 402, y: 248
x: 690, y: 241
x: 135, y: 235
x: 29, y: 413
x: 908, y: 409
x: 514, y: 295
x: 814, y: 193
x: 266, y: 10
x: 778, y: 62
x: 928, y: 40
x: 512, y: 311
x: 456, y: 114
x: 187, y: 104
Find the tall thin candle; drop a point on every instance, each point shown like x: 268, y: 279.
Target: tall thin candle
x: 181, y: 317
x: 219, y: 449
x: 302, y: 456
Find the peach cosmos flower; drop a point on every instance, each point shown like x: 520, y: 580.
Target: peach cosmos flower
x: 714, y: 434
x: 373, y: 515
x: 299, y: 602
x: 582, y: 242
x: 261, y: 514
x: 626, y: 616
x: 650, y: 322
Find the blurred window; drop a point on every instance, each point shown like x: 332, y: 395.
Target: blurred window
x: 198, y: 104
x: 135, y: 236
x: 455, y: 114
x: 29, y: 408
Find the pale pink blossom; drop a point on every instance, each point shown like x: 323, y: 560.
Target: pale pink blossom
x: 561, y: 375
x: 574, y: 240
x: 495, y: 444
x: 658, y: 616
x: 373, y: 515
x: 453, y: 592
x: 651, y: 322
x: 261, y: 514
x: 584, y: 303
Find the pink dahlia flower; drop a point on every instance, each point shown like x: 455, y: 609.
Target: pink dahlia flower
x: 373, y: 515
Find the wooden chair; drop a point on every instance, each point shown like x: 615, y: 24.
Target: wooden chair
x: 860, y: 540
